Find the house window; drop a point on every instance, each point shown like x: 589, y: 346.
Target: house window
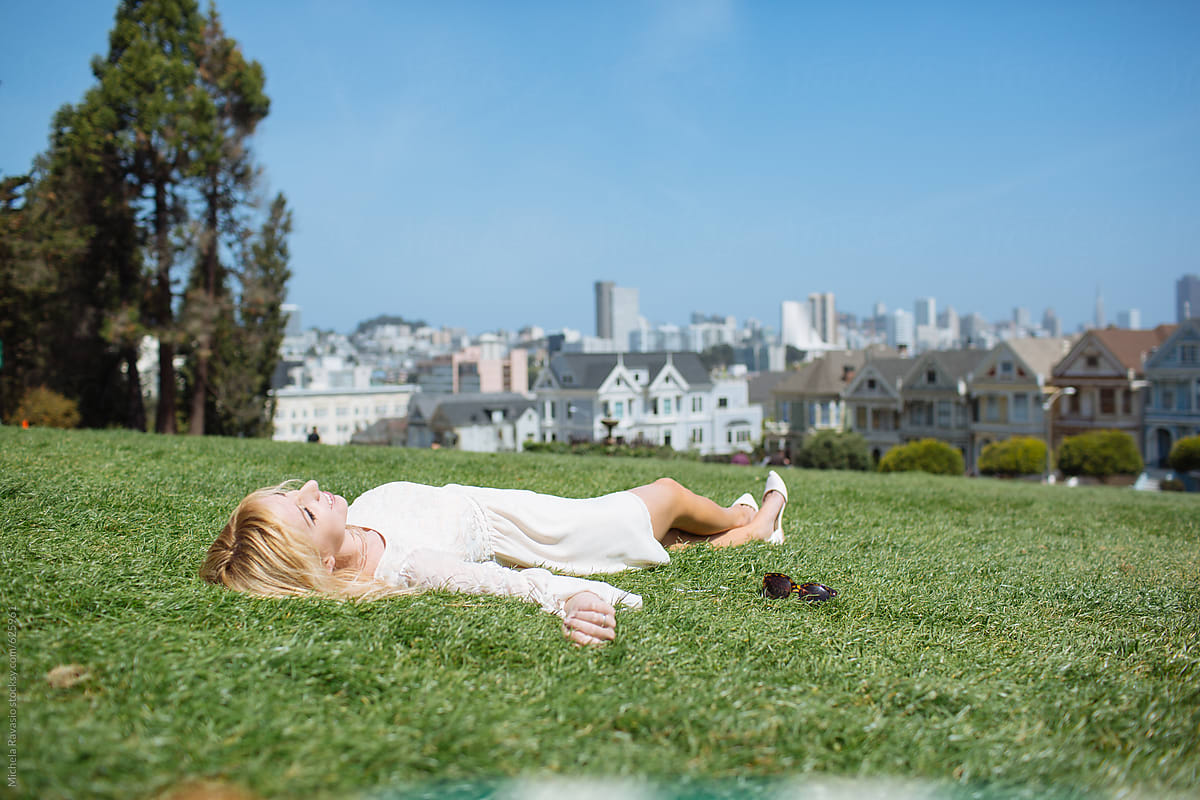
x: 1020, y: 408
x: 1092, y: 360
x: 1108, y: 401
x: 697, y: 435
x: 991, y: 409
x: 860, y: 418
x: 944, y: 414
x: 931, y: 376
x: 666, y: 405
x: 570, y: 411
x: 1126, y: 402
x: 1188, y: 353
x: 320, y: 412
x: 722, y: 402
x: 1006, y: 369
x: 1166, y: 397
x: 619, y: 409
x: 871, y: 384
x: 697, y: 404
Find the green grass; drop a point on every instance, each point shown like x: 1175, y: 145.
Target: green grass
x: 990, y: 636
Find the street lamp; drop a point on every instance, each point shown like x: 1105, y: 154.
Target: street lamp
x: 1046, y: 405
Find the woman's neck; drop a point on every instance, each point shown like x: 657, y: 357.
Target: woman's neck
x: 362, y: 548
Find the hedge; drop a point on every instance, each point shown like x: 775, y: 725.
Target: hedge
x: 1020, y: 455
x: 927, y: 455
x: 834, y: 450
x: 46, y: 408
x: 1099, y: 454
x: 1185, y: 455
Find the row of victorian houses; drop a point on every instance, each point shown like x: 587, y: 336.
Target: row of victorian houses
x: 1144, y: 382
x: 667, y: 399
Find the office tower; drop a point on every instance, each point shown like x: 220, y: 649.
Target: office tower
x: 975, y: 329
x: 616, y: 313
x: 900, y: 330
x: 926, y: 312
x: 796, y: 328
x: 1099, y: 320
x: 823, y: 315
x: 1021, y: 317
x: 1131, y: 319
x: 1051, y: 323
x: 1187, y: 297
x: 948, y: 321
x: 604, y: 291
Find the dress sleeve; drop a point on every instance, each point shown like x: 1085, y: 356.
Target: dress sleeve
x: 434, y: 569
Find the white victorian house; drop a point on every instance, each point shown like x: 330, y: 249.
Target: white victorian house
x: 664, y: 398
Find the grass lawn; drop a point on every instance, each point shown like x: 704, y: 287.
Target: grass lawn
x: 990, y: 637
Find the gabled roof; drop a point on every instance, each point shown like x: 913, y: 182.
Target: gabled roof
x: 890, y: 369
x: 1131, y: 348
x: 1041, y: 354
x: 1189, y: 329
x: 588, y: 370
x: 957, y: 365
x: 826, y: 375
x: 457, y: 410
x: 889, y: 372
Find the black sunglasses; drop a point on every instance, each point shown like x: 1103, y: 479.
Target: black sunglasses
x: 776, y: 585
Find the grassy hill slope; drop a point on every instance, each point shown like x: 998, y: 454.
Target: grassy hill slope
x: 989, y: 634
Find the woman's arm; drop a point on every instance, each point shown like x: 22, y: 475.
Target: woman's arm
x: 585, y: 606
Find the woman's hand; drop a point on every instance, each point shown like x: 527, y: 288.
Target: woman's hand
x: 589, y: 620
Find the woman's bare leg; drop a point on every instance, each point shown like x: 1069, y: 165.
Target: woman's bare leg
x: 679, y: 516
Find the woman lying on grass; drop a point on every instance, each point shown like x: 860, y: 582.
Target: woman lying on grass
x: 404, y: 537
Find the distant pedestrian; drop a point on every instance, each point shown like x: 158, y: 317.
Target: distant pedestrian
x: 314, y: 436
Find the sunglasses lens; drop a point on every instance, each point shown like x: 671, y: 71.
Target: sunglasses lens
x: 776, y: 586
x: 817, y: 592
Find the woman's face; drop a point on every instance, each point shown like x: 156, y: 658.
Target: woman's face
x: 320, y: 515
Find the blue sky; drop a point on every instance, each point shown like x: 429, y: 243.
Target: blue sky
x: 482, y: 164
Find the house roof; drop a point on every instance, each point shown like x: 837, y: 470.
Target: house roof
x: 957, y: 364
x: 890, y: 369
x: 826, y: 375
x: 1043, y: 353
x: 760, y: 385
x: 1131, y: 347
x: 591, y: 369
x: 476, y: 409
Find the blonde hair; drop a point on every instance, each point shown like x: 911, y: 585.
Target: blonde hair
x: 258, y: 554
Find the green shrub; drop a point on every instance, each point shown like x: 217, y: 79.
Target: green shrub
x: 629, y: 450
x: 1171, y: 485
x: 46, y: 408
x: 1020, y: 455
x: 927, y: 455
x: 1185, y: 455
x: 1099, y: 454
x: 834, y: 450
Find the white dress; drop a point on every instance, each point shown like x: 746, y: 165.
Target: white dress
x: 468, y: 539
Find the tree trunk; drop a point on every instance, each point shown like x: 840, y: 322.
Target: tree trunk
x: 200, y: 388
x: 165, y: 418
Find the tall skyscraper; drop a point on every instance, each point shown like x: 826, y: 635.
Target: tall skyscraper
x: 1187, y: 297
x: 1099, y: 320
x: 1051, y: 324
x: 604, y: 291
x: 796, y: 327
x: 1131, y: 319
x: 900, y: 330
x: 823, y: 314
x: 926, y: 312
x: 1021, y: 317
x: 617, y: 314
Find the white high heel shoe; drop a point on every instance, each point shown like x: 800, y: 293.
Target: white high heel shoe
x: 776, y: 484
x: 747, y: 500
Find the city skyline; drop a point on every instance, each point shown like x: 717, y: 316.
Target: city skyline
x: 720, y: 157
